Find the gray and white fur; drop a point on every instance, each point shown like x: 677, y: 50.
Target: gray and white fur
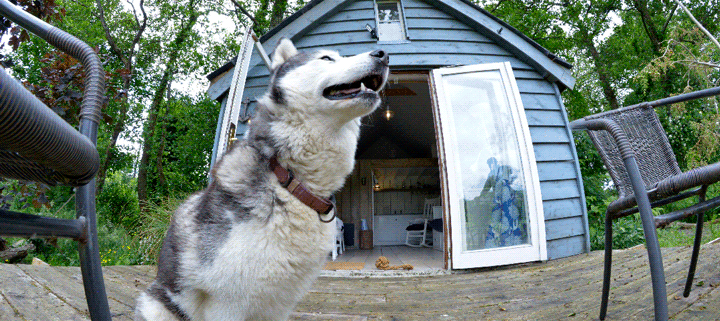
x: 245, y: 248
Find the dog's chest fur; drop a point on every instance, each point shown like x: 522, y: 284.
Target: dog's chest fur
x: 255, y: 240
x: 267, y: 256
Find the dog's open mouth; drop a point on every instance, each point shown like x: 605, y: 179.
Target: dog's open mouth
x: 369, y: 84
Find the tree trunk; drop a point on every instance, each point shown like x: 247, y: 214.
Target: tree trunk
x: 161, y: 181
x: 278, y: 12
x: 149, y: 131
x: 601, y: 69
x: 118, y: 127
x: 151, y: 123
x: 648, y: 24
x: 127, y: 59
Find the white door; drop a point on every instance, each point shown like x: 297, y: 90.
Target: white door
x: 490, y: 184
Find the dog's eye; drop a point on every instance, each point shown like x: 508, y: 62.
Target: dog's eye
x: 328, y: 58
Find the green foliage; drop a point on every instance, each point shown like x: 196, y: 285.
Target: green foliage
x: 184, y: 136
x: 117, y: 246
x: 627, y: 232
x: 180, y: 159
x: 18, y: 195
x: 126, y: 236
x: 627, y: 52
x: 118, y: 202
x: 156, y: 220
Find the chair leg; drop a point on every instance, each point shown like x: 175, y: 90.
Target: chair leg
x: 657, y: 272
x: 695, y: 253
x: 90, y: 264
x: 607, y: 268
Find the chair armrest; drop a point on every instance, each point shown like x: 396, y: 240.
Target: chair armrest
x: 682, y: 97
x: 36, y: 144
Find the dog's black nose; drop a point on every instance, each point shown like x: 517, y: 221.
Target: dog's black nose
x: 378, y: 53
x: 382, y: 55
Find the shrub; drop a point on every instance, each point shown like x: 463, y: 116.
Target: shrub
x: 116, y: 246
x: 155, y: 222
x: 118, y: 202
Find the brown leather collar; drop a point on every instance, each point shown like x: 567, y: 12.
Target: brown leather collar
x: 298, y: 189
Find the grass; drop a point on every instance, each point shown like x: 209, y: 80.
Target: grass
x: 681, y: 235
x: 628, y: 232
x: 155, y: 224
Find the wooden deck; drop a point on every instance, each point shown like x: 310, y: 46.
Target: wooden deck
x: 562, y: 289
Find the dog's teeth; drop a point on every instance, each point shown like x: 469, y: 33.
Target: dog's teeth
x: 362, y: 86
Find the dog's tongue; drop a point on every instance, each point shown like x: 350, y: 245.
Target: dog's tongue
x: 349, y: 91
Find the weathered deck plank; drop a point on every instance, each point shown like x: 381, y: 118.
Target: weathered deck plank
x: 33, y: 301
x: 61, y: 285
x: 568, y: 288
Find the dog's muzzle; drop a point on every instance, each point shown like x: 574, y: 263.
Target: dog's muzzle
x: 368, y: 84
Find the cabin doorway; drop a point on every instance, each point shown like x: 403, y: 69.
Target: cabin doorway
x: 396, y: 182
x: 451, y: 148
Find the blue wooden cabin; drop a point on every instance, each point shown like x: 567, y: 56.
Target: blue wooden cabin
x: 398, y: 166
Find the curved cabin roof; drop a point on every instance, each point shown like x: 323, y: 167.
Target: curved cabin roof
x: 317, y: 12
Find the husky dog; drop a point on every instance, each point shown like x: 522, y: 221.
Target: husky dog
x: 249, y: 247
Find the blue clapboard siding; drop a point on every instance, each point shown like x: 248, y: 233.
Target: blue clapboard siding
x: 438, y: 39
x: 552, y: 152
x: 561, y: 208
x: 559, y: 248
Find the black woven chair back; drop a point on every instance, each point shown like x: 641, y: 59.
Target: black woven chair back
x: 647, y: 137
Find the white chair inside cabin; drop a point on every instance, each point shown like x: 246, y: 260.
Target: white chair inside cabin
x: 416, y: 237
x: 339, y: 239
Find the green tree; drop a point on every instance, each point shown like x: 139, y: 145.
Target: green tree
x: 174, y: 50
x: 625, y: 52
x: 124, y: 49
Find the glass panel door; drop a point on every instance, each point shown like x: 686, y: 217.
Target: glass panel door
x: 491, y: 186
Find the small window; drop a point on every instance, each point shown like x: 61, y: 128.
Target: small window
x: 390, y: 21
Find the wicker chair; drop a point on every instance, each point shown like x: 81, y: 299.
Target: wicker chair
x: 637, y: 154
x: 38, y: 145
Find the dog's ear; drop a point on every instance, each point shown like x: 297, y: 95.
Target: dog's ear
x: 284, y: 50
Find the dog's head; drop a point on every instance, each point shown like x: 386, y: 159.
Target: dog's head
x: 323, y: 82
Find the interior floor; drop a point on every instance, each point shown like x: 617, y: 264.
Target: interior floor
x: 422, y: 258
